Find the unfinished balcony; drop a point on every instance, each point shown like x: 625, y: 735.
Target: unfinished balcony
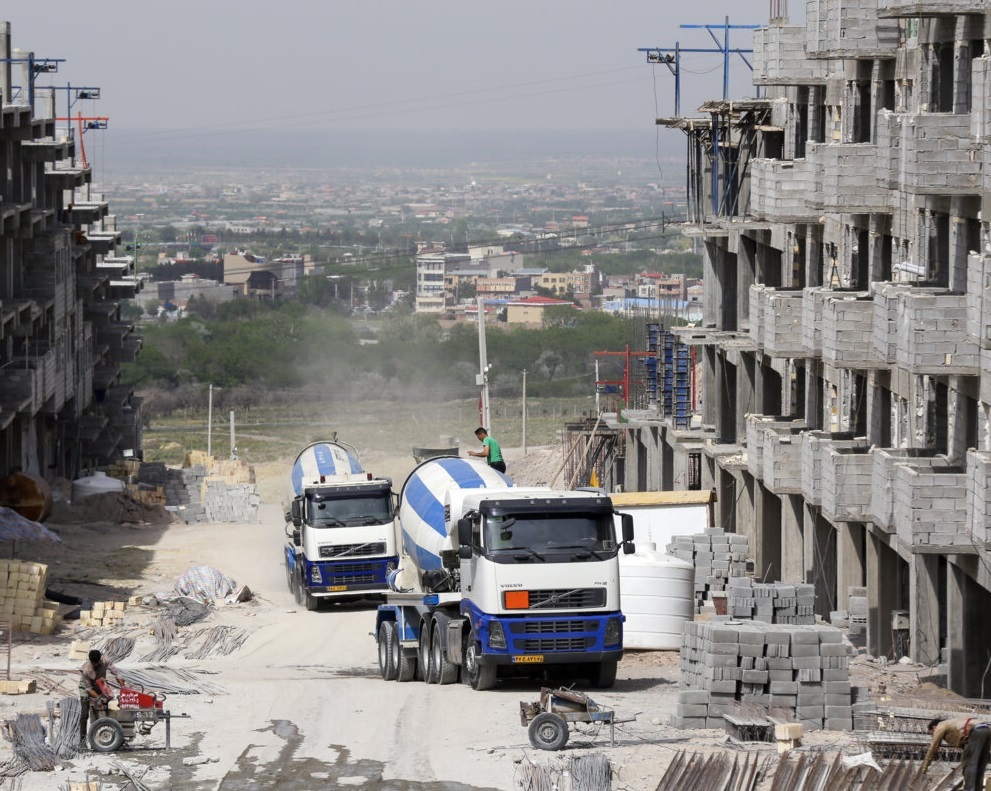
x: 925, y: 330
x: 848, y: 29
x: 813, y: 300
x: 774, y: 452
x: 931, y: 508
x: 816, y: 445
x: 847, y: 330
x: 846, y: 481
x: 20, y: 390
x: 844, y: 178
x: 937, y: 152
x: 780, y: 59
x: 779, y: 191
x: 930, y: 8
x: 885, y: 460
x: 780, y: 314
x: 979, y: 497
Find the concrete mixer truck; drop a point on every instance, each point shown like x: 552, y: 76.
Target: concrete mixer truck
x: 340, y: 527
x: 497, y: 580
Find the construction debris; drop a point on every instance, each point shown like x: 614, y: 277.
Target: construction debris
x: 721, y: 771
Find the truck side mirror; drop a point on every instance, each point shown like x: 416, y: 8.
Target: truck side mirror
x: 629, y: 548
x: 296, y: 512
x: 296, y: 538
x: 464, y: 552
x: 627, y: 520
x: 464, y: 533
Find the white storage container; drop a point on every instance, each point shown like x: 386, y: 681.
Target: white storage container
x: 657, y: 595
x: 97, y: 483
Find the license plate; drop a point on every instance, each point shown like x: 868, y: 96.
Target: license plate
x: 334, y: 588
x: 528, y: 659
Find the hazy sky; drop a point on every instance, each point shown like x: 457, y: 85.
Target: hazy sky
x: 380, y: 64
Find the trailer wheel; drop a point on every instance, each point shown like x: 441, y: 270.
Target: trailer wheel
x: 548, y: 731
x: 445, y: 670
x: 406, y: 665
x: 387, y: 665
x: 423, y: 655
x: 603, y: 675
x: 478, y: 676
x: 106, y: 735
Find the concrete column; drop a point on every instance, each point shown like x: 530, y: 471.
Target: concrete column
x: 710, y: 388
x: 792, y: 539
x: 882, y: 594
x: 923, y: 607
x: 849, y: 561
x: 956, y: 675
x: 653, y: 458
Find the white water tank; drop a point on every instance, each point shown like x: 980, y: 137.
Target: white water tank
x: 657, y: 595
x: 97, y: 483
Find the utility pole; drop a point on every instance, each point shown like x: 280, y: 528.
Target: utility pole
x: 524, y: 411
x: 482, y: 380
x: 233, y: 444
x: 209, y: 423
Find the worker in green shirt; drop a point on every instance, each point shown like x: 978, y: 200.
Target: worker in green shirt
x: 490, y: 451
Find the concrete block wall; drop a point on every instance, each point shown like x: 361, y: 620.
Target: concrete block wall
x: 846, y: 482
x: 985, y: 386
x: 931, y: 333
x: 888, y: 159
x: 755, y: 444
x: 979, y: 298
x: 931, y: 506
x: 838, y: 28
x: 802, y: 668
x: 884, y: 322
x: 783, y: 458
x: 782, y: 316
x: 847, y: 330
x: 758, y: 299
x: 716, y: 555
x: 771, y: 602
x: 884, y: 462
x: 813, y: 300
x: 779, y: 190
x: 779, y: 57
x: 980, y: 110
x: 938, y: 154
x: 932, y: 7
x: 812, y: 443
x: 845, y: 177
x: 979, y: 496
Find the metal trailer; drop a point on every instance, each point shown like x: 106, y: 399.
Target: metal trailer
x: 551, y: 717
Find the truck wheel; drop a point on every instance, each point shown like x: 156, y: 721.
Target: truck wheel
x: 478, y: 676
x: 298, y: 590
x: 406, y: 665
x: 445, y: 670
x: 311, y: 602
x: 288, y: 576
x: 397, y: 648
x: 106, y: 735
x: 423, y: 655
x: 387, y: 665
x: 603, y: 675
x: 548, y: 731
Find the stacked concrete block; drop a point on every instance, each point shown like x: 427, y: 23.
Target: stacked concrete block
x: 931, y: 333
x: 779, y: 57
x: 847, y: 330
x: 979, y: 496
x: 783, y: 324
x: 22, y: 598
x: 812, y: 306
x: 771, y: 602
x: 717, y: 556
x: 230, y: 502
x: 801, y: 668
x: 779, y: 190
x: 939, y: 155
x: 845, y: 176
x: 846, y: 481
x: 103, y: 613
x: 931, y: 506
x: 857, y: 609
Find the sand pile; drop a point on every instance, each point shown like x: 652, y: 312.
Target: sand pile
x: 109, y: 507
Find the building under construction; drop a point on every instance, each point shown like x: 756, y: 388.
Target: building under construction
x: 844, y: 418
x: 62, y: 340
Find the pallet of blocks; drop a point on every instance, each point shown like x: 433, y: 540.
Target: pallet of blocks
x: 103, y: 613
x: 22, y: 598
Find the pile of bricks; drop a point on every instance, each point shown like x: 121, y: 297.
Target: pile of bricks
x: 717, y: 556
x: 771, y: 602
x: 22, y: 598
x: 103, y: 613
x: 801, y: 668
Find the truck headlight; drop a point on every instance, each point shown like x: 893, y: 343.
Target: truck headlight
x: 497, y: 637
x: 613, y: 633
x: 315, y: 574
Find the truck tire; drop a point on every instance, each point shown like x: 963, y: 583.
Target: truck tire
x: 476, y: 675
x: 406, y: 666
x: 297, y: 591
x: 397, y: 648
x: 106, y: 735
x: 387, y: 666
x: 445, y: 671
x: 548, y: 731
x: 288, y: 575
x: 603, y: 675
x: 311, y: 602
x: 423, y: 655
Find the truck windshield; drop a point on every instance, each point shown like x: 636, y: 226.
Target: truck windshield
x: 579, y: 537
x: 351, y: 511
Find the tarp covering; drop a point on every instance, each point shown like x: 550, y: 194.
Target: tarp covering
x: 14, y: 527
x: 205, y: 584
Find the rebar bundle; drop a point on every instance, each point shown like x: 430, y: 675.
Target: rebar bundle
x: 65, y: 737
x: 165, y: 631
x: 27, y: 735
x: 173, y: 681
x: 590, y: 773
x: 117, y: 649
x: 223, y: 640
x: 715, y: 772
